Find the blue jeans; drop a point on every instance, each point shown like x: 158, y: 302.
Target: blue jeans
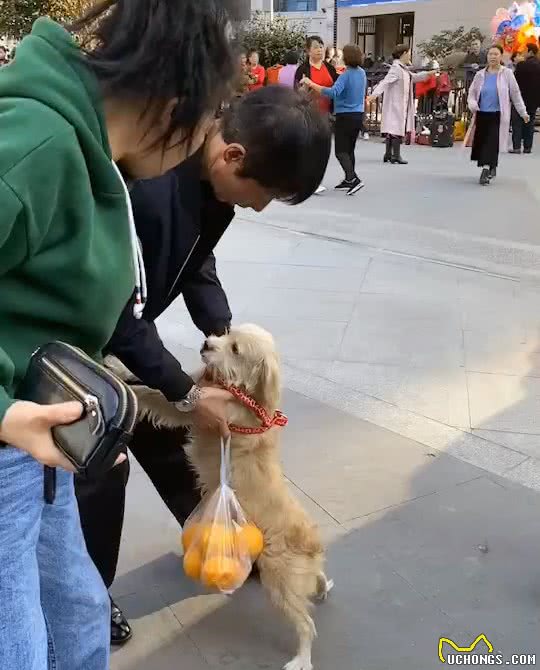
x: 54, y: 608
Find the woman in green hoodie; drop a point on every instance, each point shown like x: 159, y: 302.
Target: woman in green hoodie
x: 72, y: 122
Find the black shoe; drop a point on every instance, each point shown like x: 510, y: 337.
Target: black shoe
x: 492, y: 173
x: 343, y: 186
x: 120, y: 629
x: 527, y: 151
x: 396, y: 152
x: 355, y: 186
x: 514, y: 151
x: 388, y: 154
x: 484, y: 177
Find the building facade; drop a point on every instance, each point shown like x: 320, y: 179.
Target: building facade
x: 316, y: 15
x: 378, y: 25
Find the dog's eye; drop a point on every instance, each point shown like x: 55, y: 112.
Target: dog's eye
x: 235, y: 349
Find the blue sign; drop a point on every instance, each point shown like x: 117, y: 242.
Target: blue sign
x: 368, y: 3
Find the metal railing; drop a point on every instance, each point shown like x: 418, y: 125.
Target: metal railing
x: 455, y: 102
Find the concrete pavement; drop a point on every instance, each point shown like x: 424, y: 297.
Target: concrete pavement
x: 408, y: 322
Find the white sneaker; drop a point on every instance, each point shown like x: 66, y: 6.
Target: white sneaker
x: 366, y: 136
x: 320, y: 189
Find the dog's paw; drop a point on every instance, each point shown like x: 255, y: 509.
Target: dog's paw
x: 325, y: 588
x: 299, y: 663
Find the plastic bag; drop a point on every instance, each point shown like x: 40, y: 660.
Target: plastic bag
x: 220, y: 545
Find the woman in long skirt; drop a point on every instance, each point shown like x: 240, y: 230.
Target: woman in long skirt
x: 493, y: 90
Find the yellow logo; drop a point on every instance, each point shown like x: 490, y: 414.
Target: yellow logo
x: 463, y: 650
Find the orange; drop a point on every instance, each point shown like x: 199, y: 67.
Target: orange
x: 223, y: 573
x: 192, y: 564
x: 188, y: 535
x: 252, y: 538
x: 219, y: 540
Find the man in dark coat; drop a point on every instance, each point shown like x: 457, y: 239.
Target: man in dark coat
x: 527, y: 75
x: 270, y: 144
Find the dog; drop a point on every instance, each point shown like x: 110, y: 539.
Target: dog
x: 291, y: 565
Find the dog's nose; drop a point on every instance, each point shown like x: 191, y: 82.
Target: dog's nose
x: 206, y: 346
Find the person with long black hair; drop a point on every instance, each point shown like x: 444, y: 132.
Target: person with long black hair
x: 75, y: 123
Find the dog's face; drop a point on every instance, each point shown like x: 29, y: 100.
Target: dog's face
x: 246, y: 357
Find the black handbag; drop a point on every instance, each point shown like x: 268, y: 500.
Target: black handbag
x: 59, y: 372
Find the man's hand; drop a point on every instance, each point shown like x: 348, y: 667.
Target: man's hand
x: 210, y: 412
x: 526, y: 118
x: 27, y: 426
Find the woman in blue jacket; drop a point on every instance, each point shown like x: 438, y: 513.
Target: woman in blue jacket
x: 348, y: 94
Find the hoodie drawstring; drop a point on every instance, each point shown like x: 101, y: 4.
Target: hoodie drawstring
x: 141, y: 291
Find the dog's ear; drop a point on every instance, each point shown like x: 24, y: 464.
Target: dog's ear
x: 155, y: 407
x: 268, y: 390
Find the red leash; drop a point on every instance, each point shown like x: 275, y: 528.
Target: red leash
x: 267, y: 421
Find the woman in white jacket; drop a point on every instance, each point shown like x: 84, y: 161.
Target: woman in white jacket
x: 398, y: 103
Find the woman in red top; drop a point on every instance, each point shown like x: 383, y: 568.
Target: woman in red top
x: 257, y: 71
x: 320, y: 72
x: 315, y: 68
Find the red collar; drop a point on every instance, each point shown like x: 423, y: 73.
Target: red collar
x: 267, y: 421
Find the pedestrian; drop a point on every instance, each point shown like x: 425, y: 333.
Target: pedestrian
x: 527, y: 75
x: 288, y: 71
x: 247, y: 161
x: 68, y: 258
x: 490, y: 96
x: 257, y: 71
x: 329, y: 55
x: 348, y: 94
x: 319, y: 72
x: 475, y: 59
x: 338, y: 62
x: 398, y: 102
x: 244, y: 74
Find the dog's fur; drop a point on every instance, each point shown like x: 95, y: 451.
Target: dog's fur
x: 291, y: 565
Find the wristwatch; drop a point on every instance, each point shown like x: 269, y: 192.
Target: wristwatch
x: 189, y: 403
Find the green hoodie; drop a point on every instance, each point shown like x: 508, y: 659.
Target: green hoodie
x: 66, y: 268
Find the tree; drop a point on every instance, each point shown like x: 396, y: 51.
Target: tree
x: 272, y: 39
x: 17, y: 16
x: 449, y: 41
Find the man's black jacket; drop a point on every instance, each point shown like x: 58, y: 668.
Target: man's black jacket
x: 179, y: 221
x: 528, y: 77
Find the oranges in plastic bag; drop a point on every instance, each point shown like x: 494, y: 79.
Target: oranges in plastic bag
x: 220, y: 545
x: 216, y: 555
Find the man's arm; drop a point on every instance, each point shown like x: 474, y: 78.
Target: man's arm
x: 206, y: 300
x: 137, y: 345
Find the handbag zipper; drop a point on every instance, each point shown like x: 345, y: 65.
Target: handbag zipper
x: 123, y: 389
x: 90, y: 402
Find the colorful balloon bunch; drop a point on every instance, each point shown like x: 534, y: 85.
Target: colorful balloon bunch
x: 514, y: 28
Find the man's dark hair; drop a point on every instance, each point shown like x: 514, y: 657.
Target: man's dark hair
x: 291, y: 58
x: 156, y: 50
x: 532, y: 48
x: 286, y: 138
x: 353, y: 56
x: 400, y: 50
x: 313, y: 38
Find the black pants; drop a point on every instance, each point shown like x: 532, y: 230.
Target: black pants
x: 101, y: 502
x: 348, y: 127
x: 521, y: 131
x: 485, y: 149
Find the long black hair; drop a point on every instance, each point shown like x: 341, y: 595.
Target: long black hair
x: 157, y: 50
